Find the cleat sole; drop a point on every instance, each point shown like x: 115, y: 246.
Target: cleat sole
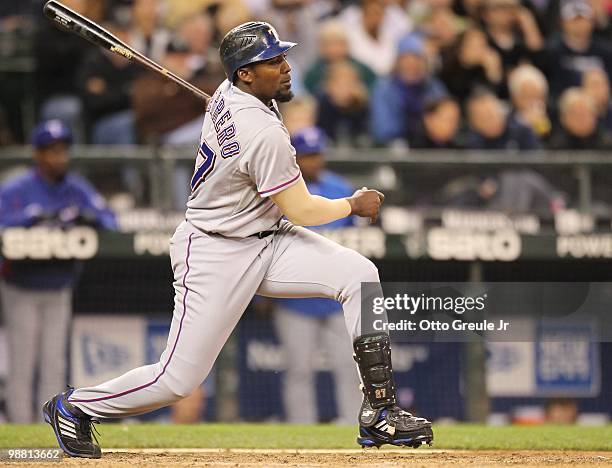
x: 415, y: 442
x: 367, y: 443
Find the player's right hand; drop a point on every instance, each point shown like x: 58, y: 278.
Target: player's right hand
x: 366, y: 203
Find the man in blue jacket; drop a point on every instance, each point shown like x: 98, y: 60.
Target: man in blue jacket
x: 306, y: 325
x: 398, y: 100
x: 37, y: 294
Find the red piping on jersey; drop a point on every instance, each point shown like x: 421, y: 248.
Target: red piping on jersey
x: 281, y: 185
x: 132, y: 390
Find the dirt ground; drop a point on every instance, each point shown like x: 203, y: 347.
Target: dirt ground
x: 340, y: 458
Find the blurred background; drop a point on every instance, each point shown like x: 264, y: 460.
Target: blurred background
x: 487, y: 123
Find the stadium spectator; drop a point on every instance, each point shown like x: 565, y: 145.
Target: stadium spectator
x: 176, y: 11
x: 147, y: 35
x: 512, y: 31
x: 602, y: 12
x: 470, y: 9
x: 37, y: 295
x: 298, y: 21
x: 469, y: 63
x: 578, y: 127
x: 596, y: 83
x: 436, y: 20
x: 97, y: 10
x: 197, y: 32
x: 230, y: 14
x: 333, y: 48
x: 398, y: 100
x: 105, y: 81
x: 16, y: 14
x: 57, y: 56
x: 16, y: 94
x: 343, y: 104
x: 439, y: 125
x: 493, y: 127
x: 546, y: 14
x: 306, y: 325
x: 575, y: 51
x: 375, y: 29
x: 299, y: 113
x: 163, y: 110
x: 529, y: 95
x: 442, y: 27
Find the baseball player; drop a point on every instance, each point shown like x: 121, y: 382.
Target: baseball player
x: 235, y: 243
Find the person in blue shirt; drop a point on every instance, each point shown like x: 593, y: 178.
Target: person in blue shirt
x: 37, y: 294
x: 398, y: 100
x: 306, y: 325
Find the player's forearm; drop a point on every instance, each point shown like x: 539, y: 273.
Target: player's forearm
x: 304, y: 209
x: 319, y: 210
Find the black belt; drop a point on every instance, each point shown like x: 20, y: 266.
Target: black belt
x: 259, y: 235
x: 262, y: 234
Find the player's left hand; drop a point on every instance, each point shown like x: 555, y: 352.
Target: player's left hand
x: 366, y: 202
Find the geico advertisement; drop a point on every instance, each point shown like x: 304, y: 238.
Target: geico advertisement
x: 41, y: 243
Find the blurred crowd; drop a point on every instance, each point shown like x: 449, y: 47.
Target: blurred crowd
x: 450, y: 74
x: 486, y: 74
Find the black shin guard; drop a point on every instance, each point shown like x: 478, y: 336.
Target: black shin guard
x: 373, y: 356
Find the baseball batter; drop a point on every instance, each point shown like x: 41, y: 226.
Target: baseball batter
x: 235, y: 243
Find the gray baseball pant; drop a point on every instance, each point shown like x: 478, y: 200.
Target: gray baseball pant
x: 37, y: 323
x: 215, y: 278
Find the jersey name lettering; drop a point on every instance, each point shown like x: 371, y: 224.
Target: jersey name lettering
x: 225, y: 128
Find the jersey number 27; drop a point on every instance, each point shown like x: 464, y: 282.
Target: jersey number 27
x: 205, y: 167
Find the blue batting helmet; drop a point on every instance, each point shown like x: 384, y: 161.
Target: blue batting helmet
x: 50, y: 131
x: 309, y: 140
x: 249, y: 43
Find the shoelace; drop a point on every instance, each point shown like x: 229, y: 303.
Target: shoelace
x: 88, y: 429
x: 397, y: 413
x: 85, y: 426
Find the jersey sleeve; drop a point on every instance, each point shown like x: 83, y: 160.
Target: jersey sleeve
x: 271, y: 161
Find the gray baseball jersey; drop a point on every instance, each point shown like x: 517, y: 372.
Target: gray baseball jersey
x: 245, y: 155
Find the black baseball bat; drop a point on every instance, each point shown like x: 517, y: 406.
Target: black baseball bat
x: 75, y: 23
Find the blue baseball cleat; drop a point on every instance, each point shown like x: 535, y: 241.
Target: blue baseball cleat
x: 392, y: 425
x: 72, y: 427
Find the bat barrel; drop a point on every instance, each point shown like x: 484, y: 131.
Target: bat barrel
x: 73, y: 22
